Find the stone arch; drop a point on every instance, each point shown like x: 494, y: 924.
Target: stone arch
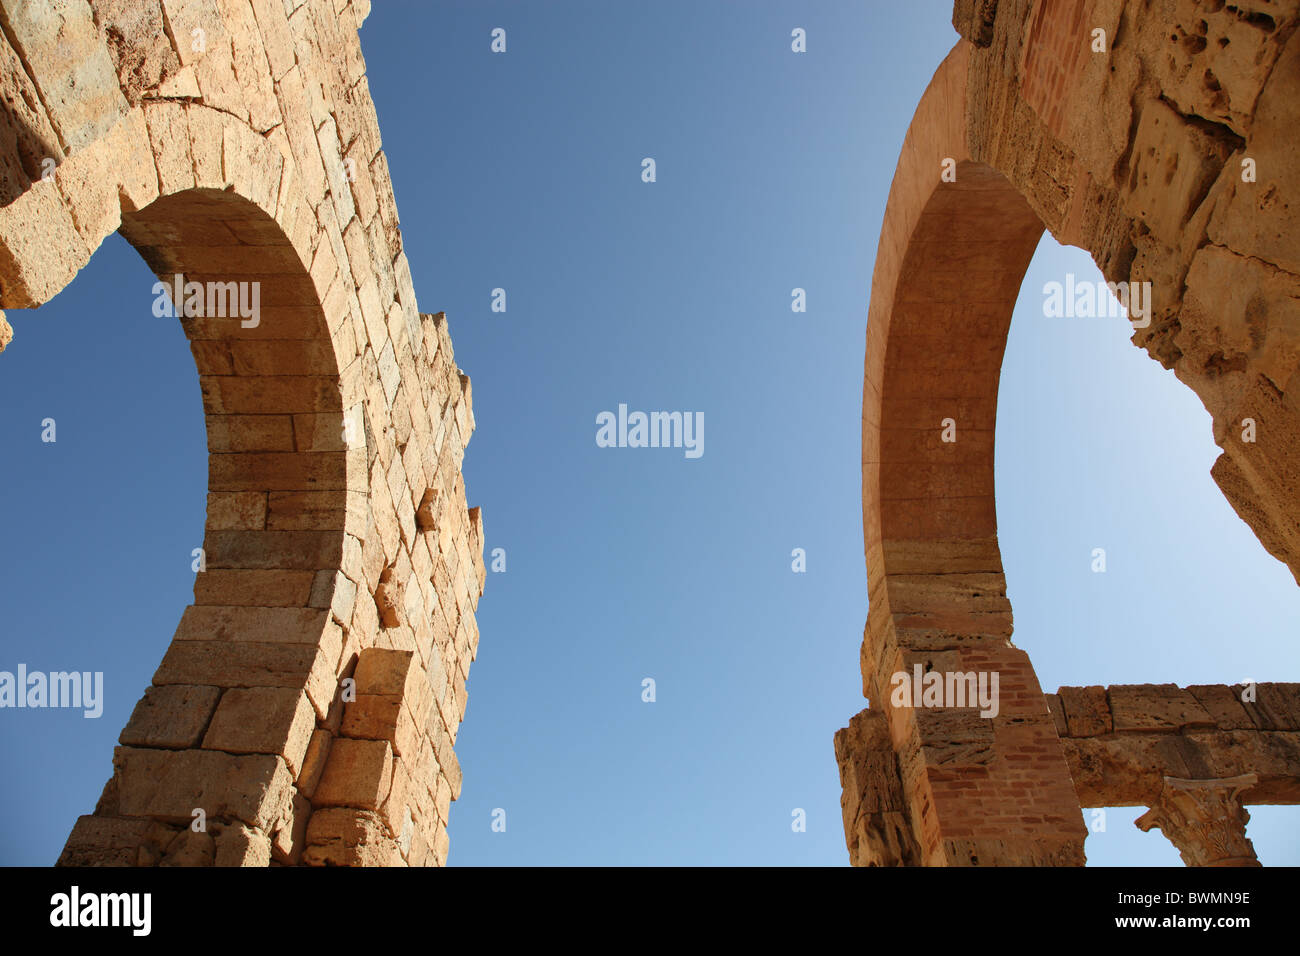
x: 951, y: 259
x: 1131, y: 157
x: 310, y: 700
x: 253, y: 664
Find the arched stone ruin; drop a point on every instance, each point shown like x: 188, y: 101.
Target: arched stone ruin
x: 1165, y: 152
x: 235, y: 141
x: 308, y: 706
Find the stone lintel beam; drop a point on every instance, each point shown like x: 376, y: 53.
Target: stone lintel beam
x: 1121, y: 742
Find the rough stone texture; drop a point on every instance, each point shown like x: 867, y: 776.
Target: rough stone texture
x: 254, y: 156
x: 1136, y: 155
x: 1195, y: 756
x: 1195, y: 767
x: 875, y: 814
x: 1201, y: 732
x: 173, y: 716
x: 1205, y: 819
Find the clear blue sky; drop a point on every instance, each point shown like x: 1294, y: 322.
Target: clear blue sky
x: 522, y: 171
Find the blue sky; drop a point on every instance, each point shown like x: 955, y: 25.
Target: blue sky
x: 522, y: 171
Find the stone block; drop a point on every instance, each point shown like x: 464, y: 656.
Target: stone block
x: 242, y: 846
x: 358, y: 774
x: 169, y: 785
x: 1087, y: 711
x: 1148, y: 707
x: 263, y: 720
x: 61, y: 50
x: 347, y: 837
x: 173, y: 717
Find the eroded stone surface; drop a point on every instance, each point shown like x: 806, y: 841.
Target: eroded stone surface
x: 1163, y: 151
x: 235, y: 141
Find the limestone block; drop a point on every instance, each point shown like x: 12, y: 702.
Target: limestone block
x: 347, y: 837
x: 110, y: 841
x: 35, y: 264
x: 1276, y: 706
x: 62, y: 51
x: 1146, y: 707
x: 1173, y: 163
x: 94, y: 178
x: 277, y: 40
x: 268, y: 625
x: 138, y: 44
x: 242, y: 846
x: 236, y: 511
x: 358, y: 774
x: 289, y: 550
x: 1211, y: 62
x: 251, y: 68
x: 1238, y: 314
x: 28, y: 144
x: 441, y: 847
x: 1058, y: 714
x: 236, y: 664
x: 169, y: 135
x: 173, y: 716
x: 1258, y: 219
x: 207, y: 128
x: 300, y: 129
x: 181, y: 85
x: 334, y: 590
x: 263, y: 720
x: 1224, y: 706
x: 168, y: 785
x: 1087, y: 711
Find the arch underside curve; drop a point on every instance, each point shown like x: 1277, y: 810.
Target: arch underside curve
x: 975, y: 790
x: 945, y: 785
x: 251, y: 668
x: 339, y: 544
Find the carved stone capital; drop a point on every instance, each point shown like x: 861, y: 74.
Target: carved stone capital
x: 1205, y: 820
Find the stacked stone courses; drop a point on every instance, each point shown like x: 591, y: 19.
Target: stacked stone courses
x: 307, y: 708
x: 1158, y: 135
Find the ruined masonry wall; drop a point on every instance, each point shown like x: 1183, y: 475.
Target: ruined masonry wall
x: 1158, y: 136
x: 1170, y: 157
x: 1121, y: 743
x: 308, y: 705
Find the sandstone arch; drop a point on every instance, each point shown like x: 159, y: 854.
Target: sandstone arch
x: 951, y: 259
x: 1128, y: 157
x: 332, y: 554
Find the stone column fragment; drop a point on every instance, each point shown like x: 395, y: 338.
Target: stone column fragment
x: 1205, y: 820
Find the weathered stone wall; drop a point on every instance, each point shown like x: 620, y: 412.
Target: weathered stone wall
x: 877, y: 826
x: 308, y: 705
x: 1121, y: 742
x: 1153, y: 134
x: 1136, y: 154
x: 953, y: 250
x: 1196, y: 756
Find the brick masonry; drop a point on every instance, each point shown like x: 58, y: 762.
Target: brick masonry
x: 1135, y: 152
x: 1123, y: 745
